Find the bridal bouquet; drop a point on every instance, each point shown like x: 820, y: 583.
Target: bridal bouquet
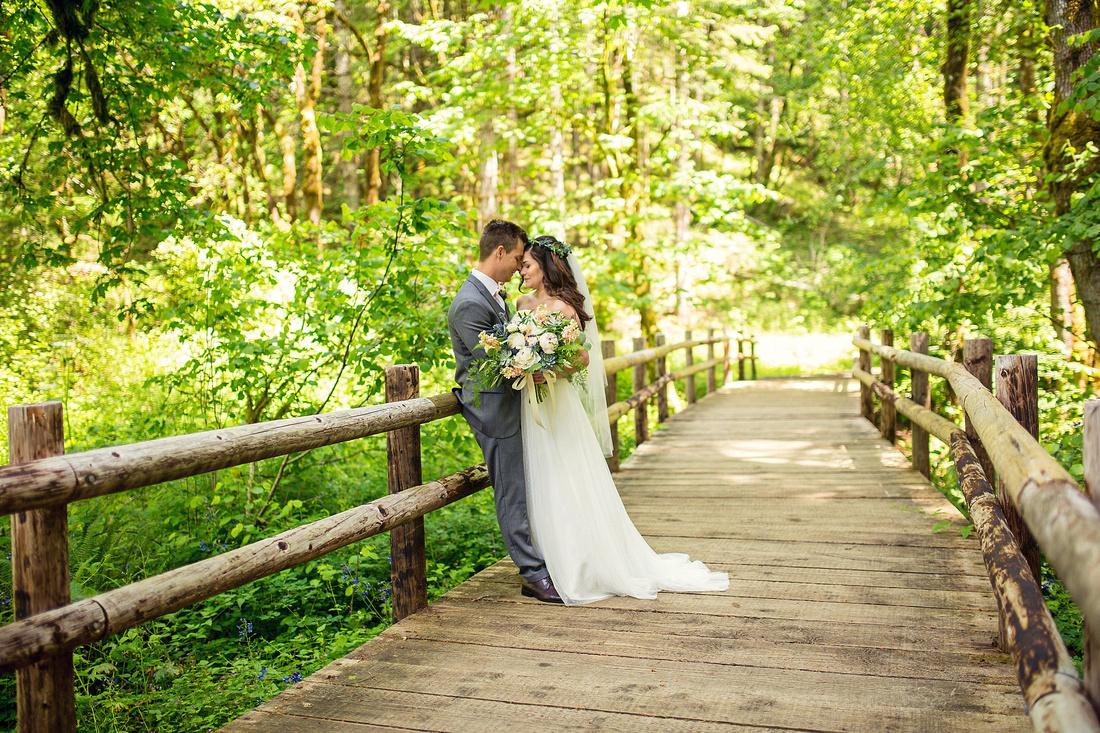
x: 533, y: 341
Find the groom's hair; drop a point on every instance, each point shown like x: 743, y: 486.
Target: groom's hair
x: 500, y: 233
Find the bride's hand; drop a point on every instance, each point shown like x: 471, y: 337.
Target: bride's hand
x: 540, y: 378
x: 584, y: 361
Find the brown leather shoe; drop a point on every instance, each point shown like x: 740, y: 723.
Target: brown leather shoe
x: 542, y: 590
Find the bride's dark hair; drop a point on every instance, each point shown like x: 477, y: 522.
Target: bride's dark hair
x: 557, y: 278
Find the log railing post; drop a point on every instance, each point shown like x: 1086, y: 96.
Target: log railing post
x: 662, y: 394
x: 978, y: 360
x: 641, y: 412
x: 752, y: 357
x: 1018, y: 391
x: 612, y: 396
x: 712, y: 373
x: 725, y: 357
x: 888, y: 414
x: 918, y: 343
x: 740, y: 360
x: 1091, y: 449
x: 45, y: 696
x: 866, y: 400
x: 408, y: 566
x: 689, y: 382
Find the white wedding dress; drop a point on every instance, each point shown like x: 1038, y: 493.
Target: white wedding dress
x: 577, y: 519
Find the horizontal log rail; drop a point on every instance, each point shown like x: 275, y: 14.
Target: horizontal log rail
x: 50, y: 483
x: 619, y: 409
x: 1044, y: 666
x: 1062, y: 519
x: 75, y: 476
x: 617, y: 364
x: 114, y: 611
x: 1056, y: 698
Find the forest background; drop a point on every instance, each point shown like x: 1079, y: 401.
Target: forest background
x: 228, y: 212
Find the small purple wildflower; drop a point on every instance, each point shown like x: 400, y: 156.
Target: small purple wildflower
x: 262, y: 674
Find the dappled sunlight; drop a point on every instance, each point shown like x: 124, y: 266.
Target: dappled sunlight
x: 778, y: 452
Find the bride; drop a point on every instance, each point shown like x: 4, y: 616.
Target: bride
x: 577, y: 519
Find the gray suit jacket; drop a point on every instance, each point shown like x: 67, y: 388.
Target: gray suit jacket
x: 473, y: 311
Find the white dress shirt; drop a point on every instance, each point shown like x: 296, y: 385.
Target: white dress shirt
x: 492, y: 286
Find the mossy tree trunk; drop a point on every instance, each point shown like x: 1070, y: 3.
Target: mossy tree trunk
x: 956, y: 58
x: 1068, y: 131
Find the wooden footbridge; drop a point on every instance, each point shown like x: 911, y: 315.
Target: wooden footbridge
x: 855, y: 603
x: 845, y: 611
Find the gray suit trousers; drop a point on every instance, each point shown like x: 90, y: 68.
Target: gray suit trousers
x: 503, y: 458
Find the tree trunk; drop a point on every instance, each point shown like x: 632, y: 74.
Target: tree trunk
x: 290, y: 167
x: 1067, y: 18
x: 955, y: 103
x: 307, y: 91
x: 681, y: 212
x: 769, y: 109
x: 377, y: 72
x: 1028, y: 49
x: 348, y: 170
x: 1061, y: 302
x: 632, y: 193
x: 557, y: 133
x: 487, y: 180
x: 259, y: 162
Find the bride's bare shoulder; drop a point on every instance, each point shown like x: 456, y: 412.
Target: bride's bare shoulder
x: 560, y: 306
x: 525, y: 302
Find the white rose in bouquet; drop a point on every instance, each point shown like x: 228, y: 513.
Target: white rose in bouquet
x: 517, y: 340
x: 525, y: 358
x: 548, y: 342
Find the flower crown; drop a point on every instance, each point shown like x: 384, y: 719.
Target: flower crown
x: 551, y: 243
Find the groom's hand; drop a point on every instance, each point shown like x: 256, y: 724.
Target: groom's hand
x: 540, y: 378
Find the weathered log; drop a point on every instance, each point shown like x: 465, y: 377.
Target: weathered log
x: 644, y: 356
x: 978, y: 360
x: 725, y: 357
x: 612, y: 396
x: 687, y: 372
x: 918, y: 342
x: 662, y: 393
x: 1018, y: 390
x: 752, y: 357
x: 934, y: 424
x: 712, y: 375
x: 888, y: 415
x: 641, y: 411
x: 408, y: 564
x: 44, y: 692
x: 689, y: 380
x: 1045, y: 670
x: 866, y: 402
x: 740, y: 360
x: 619, y: 409
x: 1063, y: 520
x: 112, y: 612
x: 68, y: 478
x: 1091, y: 450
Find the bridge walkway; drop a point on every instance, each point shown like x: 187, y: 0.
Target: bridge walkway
x: 846, y: 611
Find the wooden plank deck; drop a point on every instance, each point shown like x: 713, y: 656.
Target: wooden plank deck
x: 844, y: 613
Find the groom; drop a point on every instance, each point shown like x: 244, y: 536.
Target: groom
x: 479, y: 305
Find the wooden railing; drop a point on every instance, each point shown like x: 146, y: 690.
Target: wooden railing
x: 1037, y: 506
x: 42, y: 481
